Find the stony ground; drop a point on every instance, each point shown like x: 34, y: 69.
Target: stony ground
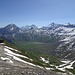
x: 7, y: 69
x: 19, y: 68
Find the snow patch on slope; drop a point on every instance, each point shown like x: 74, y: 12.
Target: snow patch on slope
x: 43, y: 59
x: 64, y: 29
x: 67, y: 64
x: 12, y: 53
x: 16, y: 56
x: 6, y: 59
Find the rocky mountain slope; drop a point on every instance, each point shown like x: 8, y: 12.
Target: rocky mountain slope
x: 12, y: 64
x: 40, y: 45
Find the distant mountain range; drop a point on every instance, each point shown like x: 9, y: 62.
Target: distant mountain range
x: 61, y: 36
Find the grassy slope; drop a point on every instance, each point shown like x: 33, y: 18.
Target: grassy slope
x: 37, y: 49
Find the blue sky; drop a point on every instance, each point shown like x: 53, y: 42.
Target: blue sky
x: 38, y: 12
